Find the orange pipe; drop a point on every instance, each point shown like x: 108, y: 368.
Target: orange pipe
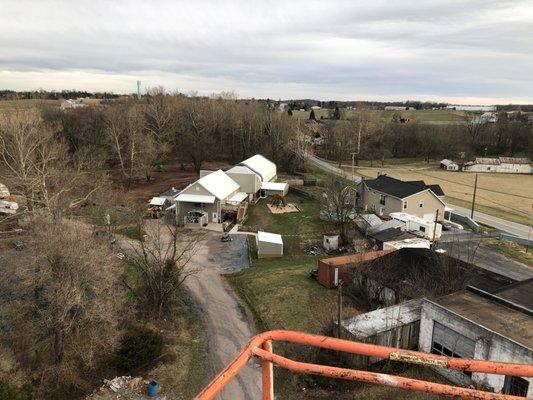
x: 268, y: 373
x: 491, y: 367
x: 379, y: 379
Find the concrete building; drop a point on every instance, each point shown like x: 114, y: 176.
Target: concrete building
x: 269, y: 245
x: 385, y: 195
x: 509, y: 165
x: 476, y: 324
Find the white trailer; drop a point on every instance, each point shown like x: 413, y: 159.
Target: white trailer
x: 419, y: 226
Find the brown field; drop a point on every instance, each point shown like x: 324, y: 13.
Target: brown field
x: 25, y: 104
x: 504, y: 195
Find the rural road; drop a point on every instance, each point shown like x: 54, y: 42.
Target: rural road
x: 228, y: 327
x: 507, y: 226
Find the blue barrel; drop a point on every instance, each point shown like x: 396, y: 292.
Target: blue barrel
x: 153, y: 388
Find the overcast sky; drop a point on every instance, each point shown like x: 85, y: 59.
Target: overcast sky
x: 468, y: 51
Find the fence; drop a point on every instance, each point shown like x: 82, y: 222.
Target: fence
x: 261, y: 346
x: 516, y: 239
x: 467, y: 221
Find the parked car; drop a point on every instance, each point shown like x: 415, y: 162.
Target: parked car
x: 226, y: 238
x: 446, y: 226
x: 313, y: 274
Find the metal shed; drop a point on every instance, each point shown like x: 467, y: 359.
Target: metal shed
x: 269, y: 245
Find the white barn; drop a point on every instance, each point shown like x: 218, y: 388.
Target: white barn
x: 509, y: 165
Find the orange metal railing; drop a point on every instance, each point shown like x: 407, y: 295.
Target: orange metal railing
x: 261, y: 346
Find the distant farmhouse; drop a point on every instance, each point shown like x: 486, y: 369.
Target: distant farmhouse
x: 385, y: 195
x: 510, y: 165
x: 396, y: 108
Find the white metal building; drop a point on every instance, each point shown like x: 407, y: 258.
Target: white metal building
x: 269, y: 245
x: 262, y: 166
x: 449, y: 165
x: 419, y: 226
x: 510, y: 165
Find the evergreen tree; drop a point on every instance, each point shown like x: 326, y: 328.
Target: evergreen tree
x: 312, y: 115
x: 290, y: 112
x: 337, y: 113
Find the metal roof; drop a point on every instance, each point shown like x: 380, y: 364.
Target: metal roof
x: 219, y: 184
x: 238, y: 197
x: 157, y: 201
x: 269, y: 237
x: 195, y: 198
x: 241, y: 169
x: 265, y: 168
x: 279, y: 186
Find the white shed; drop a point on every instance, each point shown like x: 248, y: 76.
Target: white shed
x: 269, y: 245
x: 331, y: 242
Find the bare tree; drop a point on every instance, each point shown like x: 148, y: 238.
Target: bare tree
x: 65, y: 306
x: 338, y: 203
x: 162, y: 262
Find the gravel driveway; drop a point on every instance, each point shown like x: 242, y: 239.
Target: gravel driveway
x: 228, y: 326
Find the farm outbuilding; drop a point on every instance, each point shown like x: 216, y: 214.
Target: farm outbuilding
x: 269, y: 245
x: 273, y: 188
x: 509, y: 165
x: 449, y: 165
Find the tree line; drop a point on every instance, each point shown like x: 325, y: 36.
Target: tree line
x: 379, y: 139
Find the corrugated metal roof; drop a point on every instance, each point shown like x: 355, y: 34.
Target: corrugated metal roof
x: 195, y: 198
x: 269, y: 237
x: 265, y: 168
x: 157, y: 201
x: 219, y: 184
x: 238, y: 197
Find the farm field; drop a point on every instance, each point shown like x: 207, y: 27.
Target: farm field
x: 429, y: 116
x: 507, y: 196
x: 25, y: 104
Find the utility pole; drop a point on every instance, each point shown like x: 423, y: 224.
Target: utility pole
x: 473, y: 199
x: 339, y: 308
x: 435, y: 226
x: 530, y: 222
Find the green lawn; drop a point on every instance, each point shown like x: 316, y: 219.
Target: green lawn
x: 296, y: 228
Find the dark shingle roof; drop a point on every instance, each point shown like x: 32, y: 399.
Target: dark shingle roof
x: 400, y: 189
x: 391, y: 234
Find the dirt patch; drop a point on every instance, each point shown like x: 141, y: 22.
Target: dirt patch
x: 172, y: 176
x: 288, y: 208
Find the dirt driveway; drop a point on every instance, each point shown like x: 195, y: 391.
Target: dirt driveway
x: 228, y: 326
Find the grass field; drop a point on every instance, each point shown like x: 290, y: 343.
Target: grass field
x: 509, y: 196
x: 296, y: 228
x: 435, y: 116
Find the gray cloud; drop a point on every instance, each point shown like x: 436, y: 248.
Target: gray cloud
x: 476, y: 51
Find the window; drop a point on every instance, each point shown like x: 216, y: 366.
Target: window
x: 447, y: 342
x: 421, y: 203
x: 404, y: 205
x: 422, y: 228
x: 382, y: 199
x: 516, y: 386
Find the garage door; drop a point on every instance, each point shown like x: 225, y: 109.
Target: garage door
x: 449, y: 343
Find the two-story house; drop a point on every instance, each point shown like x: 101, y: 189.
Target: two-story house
x: 385, y: 195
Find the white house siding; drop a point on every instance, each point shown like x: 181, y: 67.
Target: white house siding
x: 249, y: 183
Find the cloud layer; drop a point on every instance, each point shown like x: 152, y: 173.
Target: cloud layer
x: 479, y: 51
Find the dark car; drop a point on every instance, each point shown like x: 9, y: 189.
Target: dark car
x: 446, y: 226
x: 313, y: 274
x: 226, y: 238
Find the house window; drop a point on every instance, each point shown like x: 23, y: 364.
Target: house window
x: 421, y: 203
x: 404, y: 205
x: 422, y: 229
x: 382, y: 199
x: 516, y: 386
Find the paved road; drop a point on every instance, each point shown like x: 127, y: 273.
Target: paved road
x: 228, y: 326
x: 507, y: 226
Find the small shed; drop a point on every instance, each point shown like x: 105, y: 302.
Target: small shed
x: 449, y: 165
x: 269, y: 245
x: 273, y: 188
